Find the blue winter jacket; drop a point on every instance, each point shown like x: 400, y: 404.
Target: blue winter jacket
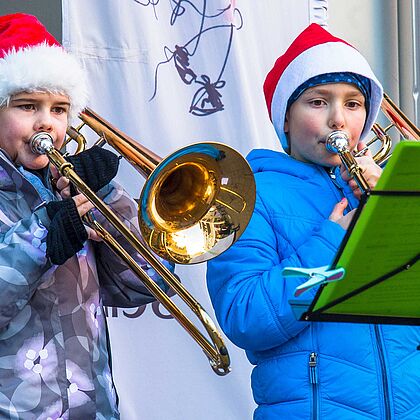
x: 306, y: 370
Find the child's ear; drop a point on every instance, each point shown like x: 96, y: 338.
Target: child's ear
x: 286, y: 123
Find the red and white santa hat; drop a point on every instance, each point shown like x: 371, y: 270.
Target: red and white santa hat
x: 314, y: 52
x: 32, y: 59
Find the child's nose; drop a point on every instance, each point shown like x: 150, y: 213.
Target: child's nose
x: 43, y: 121
x: 336, y: 118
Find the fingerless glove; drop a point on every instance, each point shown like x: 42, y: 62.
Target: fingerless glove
x: 96, y: 166
x: 66, y: 234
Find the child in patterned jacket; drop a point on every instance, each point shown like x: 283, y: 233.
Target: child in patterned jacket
x: 55, y: 273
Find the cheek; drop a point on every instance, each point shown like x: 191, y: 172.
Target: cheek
x: 58, y: 144
x: 10, y: 141
x: 309, y: 125
x: 61, y: 135
x: 9, y: 129
x: 358, y: 122
x: 15, y: 128
x: 305, y: 122
x: 355, y: 134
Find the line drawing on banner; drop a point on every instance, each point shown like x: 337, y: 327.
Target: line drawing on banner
x: 207, y: 98
x: 153, y: 3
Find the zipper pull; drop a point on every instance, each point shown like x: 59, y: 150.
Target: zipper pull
x: 331, y: 173
x: 313, y: 368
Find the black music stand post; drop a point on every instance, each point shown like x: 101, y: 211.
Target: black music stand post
x: 379, y: 257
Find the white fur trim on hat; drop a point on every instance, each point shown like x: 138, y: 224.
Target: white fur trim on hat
x: 43, y: 67
x: 330, y: 57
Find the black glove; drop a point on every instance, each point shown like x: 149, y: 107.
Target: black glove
x: 96, y: 166
x: 66, y: 234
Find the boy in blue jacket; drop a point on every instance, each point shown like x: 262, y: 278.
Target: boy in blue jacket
x: 304, y: 205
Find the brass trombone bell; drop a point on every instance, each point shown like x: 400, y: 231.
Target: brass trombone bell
x: 195, y: 203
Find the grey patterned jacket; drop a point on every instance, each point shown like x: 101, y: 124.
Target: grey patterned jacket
x: 54, y: 360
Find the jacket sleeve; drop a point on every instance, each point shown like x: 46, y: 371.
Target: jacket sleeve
x: 22, y: 261
x: 248, y: 292
x: 119, y: 285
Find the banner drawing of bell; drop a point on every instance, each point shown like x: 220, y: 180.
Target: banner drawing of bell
x: 207, y: 100
x: 182, y: 63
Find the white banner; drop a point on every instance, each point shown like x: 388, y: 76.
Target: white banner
x: 172, y: 73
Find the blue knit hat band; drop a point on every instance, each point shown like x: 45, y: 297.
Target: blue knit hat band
x: 361, y: 82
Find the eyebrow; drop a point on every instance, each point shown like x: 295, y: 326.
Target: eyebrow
x: 22, y: 99
x: 28, y: 99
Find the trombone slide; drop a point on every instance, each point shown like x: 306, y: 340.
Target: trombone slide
x: 216, y: 351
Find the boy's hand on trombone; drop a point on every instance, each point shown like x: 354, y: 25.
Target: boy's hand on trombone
x: 83, y: 205
x: 61, y: 183
x: 370, y: 171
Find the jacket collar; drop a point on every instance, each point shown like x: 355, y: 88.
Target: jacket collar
x: 11, y: 180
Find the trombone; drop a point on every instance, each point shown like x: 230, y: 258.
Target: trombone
x: 338, y: 142
x: 194, y: 205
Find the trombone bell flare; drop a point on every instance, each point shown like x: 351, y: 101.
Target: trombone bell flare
x: 201, y: 196
x: 197, y: 202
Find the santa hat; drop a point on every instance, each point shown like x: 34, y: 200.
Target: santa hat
x: 32, y: 59
x: 314, y: 52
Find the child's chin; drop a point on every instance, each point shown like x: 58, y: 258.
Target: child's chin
x: 332, y: 161
x: 36, y: 164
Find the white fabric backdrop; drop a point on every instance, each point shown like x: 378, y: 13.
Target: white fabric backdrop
x: 203, y: 64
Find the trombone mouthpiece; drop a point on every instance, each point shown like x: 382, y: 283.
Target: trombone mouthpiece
x: 41, y: 143
x: 337, y: 142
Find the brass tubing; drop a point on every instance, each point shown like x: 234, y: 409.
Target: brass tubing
x: 217, y: 352
x: 355, y: 171
x: 404, y: 125
x: 141, y: 158
x: 406, y: 128
x: 194, y: 205
x: 338, y: 142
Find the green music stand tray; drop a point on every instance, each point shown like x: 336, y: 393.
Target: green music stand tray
x: 379, y: 256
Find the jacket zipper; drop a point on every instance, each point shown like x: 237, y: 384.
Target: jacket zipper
x: 333, y: 178
x: 384, y: 375
x: 313, y: 377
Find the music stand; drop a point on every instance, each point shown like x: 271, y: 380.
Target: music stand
x: 380, y: 253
